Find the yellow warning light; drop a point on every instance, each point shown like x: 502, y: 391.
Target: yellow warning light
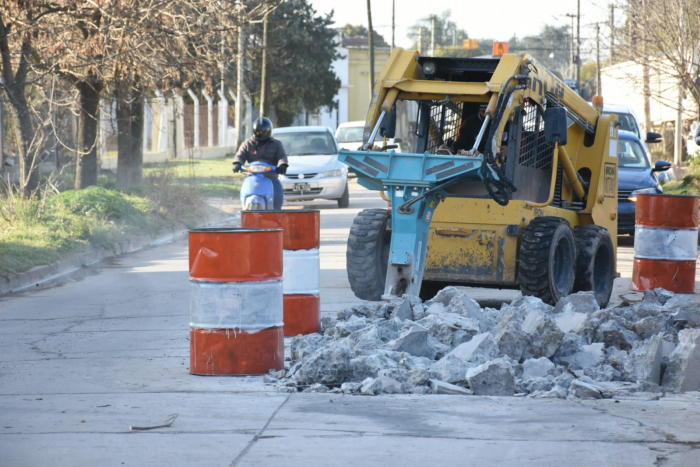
x: 471, y: 44
x: 500, y: 48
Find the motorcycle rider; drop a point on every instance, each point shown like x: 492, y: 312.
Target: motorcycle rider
x: 263, y: 147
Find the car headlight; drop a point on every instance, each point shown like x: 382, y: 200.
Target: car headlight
x: 332, y: 173
x: 644, y: 191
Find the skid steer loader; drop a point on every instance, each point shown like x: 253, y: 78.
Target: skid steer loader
x: 538, y: 213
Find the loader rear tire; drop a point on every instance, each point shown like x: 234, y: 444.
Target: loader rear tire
x: 368, y: 253
x: 595, y: 262
x: 547, y: 265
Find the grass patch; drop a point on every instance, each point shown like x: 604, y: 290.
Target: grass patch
x: 213, y: 178
x: 688, y: 185
x: 61, y: 221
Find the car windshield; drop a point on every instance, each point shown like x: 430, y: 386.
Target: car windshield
x: 312, y: 143
x: 627, y: 122
x: 632, y: 155
x: 351, y: 134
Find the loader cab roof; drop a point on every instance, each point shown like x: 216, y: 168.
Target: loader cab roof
x: 459, y: 69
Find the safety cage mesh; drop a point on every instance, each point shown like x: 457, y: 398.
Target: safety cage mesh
x: 534, y: 151
x: 445, y: 120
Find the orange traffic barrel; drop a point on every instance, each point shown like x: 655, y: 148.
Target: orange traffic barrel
x: 665, y: 242
x: 302, y: 264
x: 236, y: 301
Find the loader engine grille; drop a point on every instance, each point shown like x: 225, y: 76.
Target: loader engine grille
x: 534, y: 151
x: 445, y: 120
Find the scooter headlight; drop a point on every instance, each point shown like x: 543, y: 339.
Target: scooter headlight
x: 256, y: 168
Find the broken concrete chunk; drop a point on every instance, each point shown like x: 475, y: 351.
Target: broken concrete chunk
x: 304, y: 345
x: 687, y: 316
x: 493, y: 378
x: 327, y: 365
x: 683, y: 369
x: 649, y: 326
x: 403, y: 310
x: 644, y: 360
x: 613, y: 334
x: 450, y: 369
x: 441, y: 387
x: 580, y: 302
x: 415, y: 342
x: 350, y: 388
x: 571, y: 321
x: 537, y: 368
x: 509, y: 336
x: 353, y: 324
x: 584, y: 390
x: 465, y: 306
x: 589, y: 357
x: 317, y: 388
x: 444, y: 296
x: 367, y: 366
x: 380, y: 385
x: 526, y: 304
x: 543, y: 336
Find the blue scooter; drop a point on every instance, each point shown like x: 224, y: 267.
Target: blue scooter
x: 257, y: 193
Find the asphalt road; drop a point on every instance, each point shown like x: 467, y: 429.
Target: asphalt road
x: 84, y: 359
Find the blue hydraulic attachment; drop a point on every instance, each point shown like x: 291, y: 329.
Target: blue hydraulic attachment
x: 415, y: 184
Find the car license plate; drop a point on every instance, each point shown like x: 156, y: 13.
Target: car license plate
x: 301, y: 187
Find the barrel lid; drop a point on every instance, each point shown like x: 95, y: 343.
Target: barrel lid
x: 231, y: 230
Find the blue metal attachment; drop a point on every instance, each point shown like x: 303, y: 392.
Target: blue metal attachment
x: 415, y: 184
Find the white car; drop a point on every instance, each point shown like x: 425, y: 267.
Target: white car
x: 349, y: 136
x: 314, y: 169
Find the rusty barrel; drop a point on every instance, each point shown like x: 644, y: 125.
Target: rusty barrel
x: 302, y: 264
x: 236, y: 301
x: 665, y: 242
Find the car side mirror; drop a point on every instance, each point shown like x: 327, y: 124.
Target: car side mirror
x: 555, y: 126
x: 661, y: 166
x: 654, y: 137
x: 388, y: 126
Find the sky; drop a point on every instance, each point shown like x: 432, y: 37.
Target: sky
x: 485, y: 19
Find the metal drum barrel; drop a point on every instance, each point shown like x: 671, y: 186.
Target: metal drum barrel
x: 665, y: 242
x: 302, y: 264
x: 236, y: 301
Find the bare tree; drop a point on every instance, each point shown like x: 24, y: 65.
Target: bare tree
x: 663, y: 37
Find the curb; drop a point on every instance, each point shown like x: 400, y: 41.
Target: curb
x: 40, y: 275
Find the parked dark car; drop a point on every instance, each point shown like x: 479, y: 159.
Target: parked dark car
x: 636, y: 176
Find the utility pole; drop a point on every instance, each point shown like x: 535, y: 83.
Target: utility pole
x: 578, y: 44
x: 239, y: 77
x: 263, y: 85
x: 393, y: 23
x: 612, y: 34
x: 572, y: 48
x: 371, y: 49
x: 598, y: 85
x: 645, y: 71
x: 432, y: 35
x: 420, y: 41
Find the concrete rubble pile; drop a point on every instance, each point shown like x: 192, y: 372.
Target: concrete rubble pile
x: 450, y: 345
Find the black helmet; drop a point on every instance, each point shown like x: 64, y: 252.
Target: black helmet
x: 262, y: 129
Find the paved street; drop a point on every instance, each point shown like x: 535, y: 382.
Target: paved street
x: 108, y: 348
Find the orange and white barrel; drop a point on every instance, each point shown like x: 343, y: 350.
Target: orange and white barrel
x: 302, y: 264
x: 665, y: 242
x: 236, y: 301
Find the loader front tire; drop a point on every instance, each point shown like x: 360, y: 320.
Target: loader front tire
x: 595, y: 262
x: 547, y: 264
x: 368, y: 253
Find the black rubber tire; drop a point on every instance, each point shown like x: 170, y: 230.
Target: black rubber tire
x: 595, y: 262
x: 344, y: 201
x: 368, y: 253
x: 547, y: 264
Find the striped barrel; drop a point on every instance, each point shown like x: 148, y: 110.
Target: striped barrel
x: 665, y: 242
x: 302, y: 265
x: 236, y: 301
